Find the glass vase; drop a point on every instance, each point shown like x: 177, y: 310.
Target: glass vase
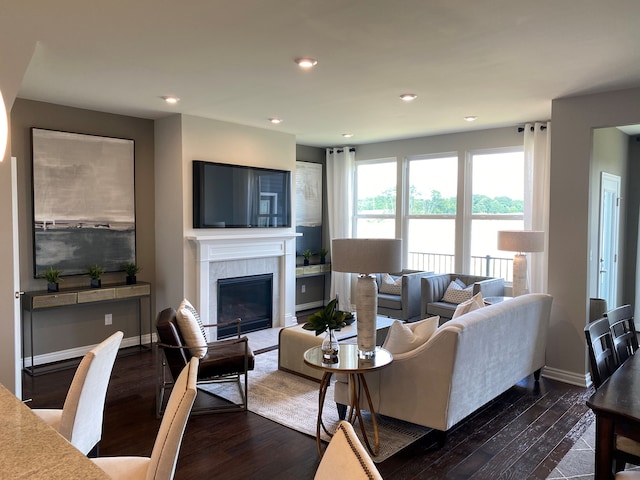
x: 330, y: 348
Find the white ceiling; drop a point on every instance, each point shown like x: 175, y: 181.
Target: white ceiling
x: 232, y: 60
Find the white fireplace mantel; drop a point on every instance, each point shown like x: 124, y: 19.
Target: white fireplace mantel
x: 213, y: 249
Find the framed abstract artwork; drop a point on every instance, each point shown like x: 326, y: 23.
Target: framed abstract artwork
x: 308, y: 206
x: 83, y: 201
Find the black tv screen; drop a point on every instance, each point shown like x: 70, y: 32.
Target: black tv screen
x: 236, y: 196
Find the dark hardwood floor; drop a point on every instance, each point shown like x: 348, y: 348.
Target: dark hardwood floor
x: 522, y: 434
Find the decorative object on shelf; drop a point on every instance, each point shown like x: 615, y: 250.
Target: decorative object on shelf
x: 131, y: 269
x: 95, y: 272
x: 52, y: 276
x: 323, y: 255
x: 366, y: 256
x: 328, y: 320
x: 307, y: 255
x: 522, y: 242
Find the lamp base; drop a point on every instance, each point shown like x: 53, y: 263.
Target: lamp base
x: 366, y: 314
x: 520, y: 281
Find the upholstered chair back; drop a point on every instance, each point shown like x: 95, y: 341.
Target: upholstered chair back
x: 164, y: 456
x: 83, y: 410
x: 169, y: 334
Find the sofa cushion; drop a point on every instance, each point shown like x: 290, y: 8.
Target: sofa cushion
x: 391, y: 285
x: 406, y: 337
x: 457, y: 294
x: 393, y: 302
x: 191, y: 330
x: 470, y: 305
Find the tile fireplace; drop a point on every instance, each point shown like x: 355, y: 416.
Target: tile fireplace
x: 231, y: 255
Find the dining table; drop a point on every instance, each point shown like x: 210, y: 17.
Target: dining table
x: 616, y: 405
x: 29, y: 448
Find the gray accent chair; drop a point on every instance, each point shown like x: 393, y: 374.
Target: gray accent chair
x: 407, y: 305
x: 435, y: 286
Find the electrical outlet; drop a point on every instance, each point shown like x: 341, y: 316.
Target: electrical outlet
x: 108, y: 318
x: 303, y: 288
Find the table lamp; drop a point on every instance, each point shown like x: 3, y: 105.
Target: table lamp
x: 520, y: 241
x: 366, y: 256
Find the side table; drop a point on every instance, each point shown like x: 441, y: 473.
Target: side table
x: 350, y: 363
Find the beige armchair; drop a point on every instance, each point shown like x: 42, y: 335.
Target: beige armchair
x: 402, y: 303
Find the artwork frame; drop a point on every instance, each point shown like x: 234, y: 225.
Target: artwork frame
x: 309, y: 184
x: 83, y: 201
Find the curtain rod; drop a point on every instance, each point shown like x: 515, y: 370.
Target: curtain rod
x: 542, y: 128
x: 340, y: 150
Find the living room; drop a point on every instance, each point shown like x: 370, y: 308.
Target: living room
x: 163, y: 197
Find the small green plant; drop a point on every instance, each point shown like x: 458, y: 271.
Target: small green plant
x: 131, y: 269
x: 307, y: 254
x: 52, y: 275
x: 328, y: 318
x: 95, y: 272
x: 323, y: 252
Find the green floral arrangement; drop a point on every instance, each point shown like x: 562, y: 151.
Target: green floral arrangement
x: 328, y: 318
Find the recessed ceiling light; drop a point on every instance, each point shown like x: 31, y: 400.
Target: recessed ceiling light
x: 170, y: 99
x: 471, y: 118
x: 408, y: 97
x: 275, y: 120
x: 347, y: 135
x: 306, y: 62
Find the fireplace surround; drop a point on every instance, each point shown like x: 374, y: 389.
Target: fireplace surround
x: 228, y: 255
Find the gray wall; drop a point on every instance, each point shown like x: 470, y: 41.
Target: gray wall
x: 67, y: 328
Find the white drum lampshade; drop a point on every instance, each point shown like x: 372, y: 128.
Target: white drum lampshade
x: 365, y: 256
x: 520, y: 241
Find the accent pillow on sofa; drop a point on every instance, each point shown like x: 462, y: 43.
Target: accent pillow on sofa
x: 191, y: 329
x: 474, y: 303
x: 457, y: 294
x: 406, y: 337
x: 391, y: 285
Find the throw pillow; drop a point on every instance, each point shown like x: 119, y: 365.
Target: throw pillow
x: 460, y: 282
x: 456, y: 294
x: 391, y: 285
x: 406, y: 337
x: 195, y: 313
x: 190, y: 328
x: 474, y: 303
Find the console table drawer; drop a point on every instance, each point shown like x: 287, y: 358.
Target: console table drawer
x: 96, y: 295
x: 133, y: 291
x: 54, y: 300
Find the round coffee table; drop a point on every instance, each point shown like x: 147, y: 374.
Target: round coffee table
x: 350, y: 363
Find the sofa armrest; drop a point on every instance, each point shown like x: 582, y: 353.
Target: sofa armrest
x: 411, y: 292
x: 493, y: 287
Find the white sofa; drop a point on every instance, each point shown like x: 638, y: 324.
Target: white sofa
x: 466, y: 363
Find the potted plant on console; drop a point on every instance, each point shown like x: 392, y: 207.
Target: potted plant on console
x: 131, y: 269
x: 95, y: 272
x: 307, y: 255
x: 323, y: 255
x: 328, y: 320
x: 52, y: 276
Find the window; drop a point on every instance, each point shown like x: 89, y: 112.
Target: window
x: 376, y: 185
x: 431, y: 218
x: 497, y: 182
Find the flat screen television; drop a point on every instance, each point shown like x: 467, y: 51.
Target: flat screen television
x: 237, y: 196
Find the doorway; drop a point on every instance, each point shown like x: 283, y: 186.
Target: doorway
x: 608, y: 234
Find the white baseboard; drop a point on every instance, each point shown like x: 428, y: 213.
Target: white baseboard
x: 580, y: 380
x: 81, y: 351
x: 309, y: 306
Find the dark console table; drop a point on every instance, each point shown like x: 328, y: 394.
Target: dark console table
x: 43, y: 300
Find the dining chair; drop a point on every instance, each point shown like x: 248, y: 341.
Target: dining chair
x: 164, y: 456
x: 80, y: 418
x: 604, y: 361
x: 602, y: 355
x: 346, y: 457
x: 222, y: 361
x: 623, y: 332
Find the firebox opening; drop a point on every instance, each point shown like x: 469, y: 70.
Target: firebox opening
x: 249, y: 298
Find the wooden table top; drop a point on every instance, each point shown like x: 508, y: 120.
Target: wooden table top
x: 620, y: 394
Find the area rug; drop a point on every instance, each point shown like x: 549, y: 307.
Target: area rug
x: 292, y: 401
